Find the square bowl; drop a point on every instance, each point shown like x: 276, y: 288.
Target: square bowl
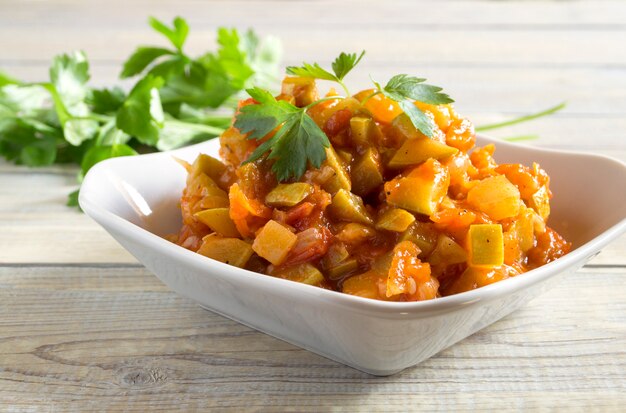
x: 136, y: 200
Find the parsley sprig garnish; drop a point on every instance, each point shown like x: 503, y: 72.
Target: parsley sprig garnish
x: 297, y: 140
x: 173, y: 102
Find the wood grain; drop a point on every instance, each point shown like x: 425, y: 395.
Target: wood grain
x: 128, y: 343
x: 84, y: 327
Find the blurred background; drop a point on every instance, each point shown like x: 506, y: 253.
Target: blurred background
x: 497, y: 59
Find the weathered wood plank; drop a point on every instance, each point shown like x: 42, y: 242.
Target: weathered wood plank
x: 388, y: 45
x: 100, y: 342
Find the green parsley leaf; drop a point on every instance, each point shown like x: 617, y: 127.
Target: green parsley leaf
x: 72, y: 199
x: 7, y: 80
x: 342, y: 65
x: 99, y: 153
x: 177, y: 34
x: 141, y: 115
x: 314, y: 71
x: 141, y: 59
x: 404, y: 89
x: 345, y: 62
x: 411, y: 87
x: 106, y: 101
x: 297, y: 142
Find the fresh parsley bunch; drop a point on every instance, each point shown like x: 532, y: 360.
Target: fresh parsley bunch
x: 299, y: 141
x: 177, y: 100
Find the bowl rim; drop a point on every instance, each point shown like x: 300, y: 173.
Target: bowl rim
x: 111, y: 220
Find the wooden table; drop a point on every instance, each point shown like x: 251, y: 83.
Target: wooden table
x: 84, y: 327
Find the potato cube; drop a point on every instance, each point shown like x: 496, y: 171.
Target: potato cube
x: 496, y: 196
x: 273, y: 242
x: 486, y: 245
x: 218, y: 219
x: 233, y: 251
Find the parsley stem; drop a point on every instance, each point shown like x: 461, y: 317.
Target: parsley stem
x: 364, y: 101
x: 521, y: 119
x: 310, y: 105
x: 211, y: 130
x: 520, y: 138
x: 345, y: 88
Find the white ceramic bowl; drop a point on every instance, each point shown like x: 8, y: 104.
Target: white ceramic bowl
x: 135, y: 200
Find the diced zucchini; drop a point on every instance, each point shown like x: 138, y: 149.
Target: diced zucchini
x: 366, y: 285
x: 288, y: 195
x: 496, y: 196
x: 340, y: 178
x: 422, y: 234
x: 214, y: 168
x: 447, y: 251
x: 347, y: 206
x: 486, y: 245
x: 343, y: 268
x: 366, y: 173
x: 345, y: 156
x: 336, y: 253
x: 218, y: 219
x: 213, y: 201
x: 231, y: 251
x: 273, y: 242
x: 422, y: 190
x: 302, y: 273
x: 364, y: 131
x: 202, y: 184
x: 395, y: 219
x: 417, y: 150
x: 403, y: 126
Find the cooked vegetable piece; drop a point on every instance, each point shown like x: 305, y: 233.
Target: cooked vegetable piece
x: 303, y: 273
x: 366, y: 173
x: 496, y: 196
x: 422, y: 190
x: 212, y: 167
x: 336, y: 254
x: 218, y: 219
x: 417, y: 150
x: 231, y: 251
x: 486, y: 245
x: 303, y: 89
x: 288, y: 195
x: 340, y: 178
x: 273, y: 242
x: 447, y: 251
x: 422, y: 234
x: 345, y: 267
x: 364, y: 131
x: 395, y: 219
x: 368, y: 285
x: 213, y: 201
x: 395, y: 205
x: 406, y: 270
x: 347, y: 206
x: 540, y: 202
x: 476, y: 277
